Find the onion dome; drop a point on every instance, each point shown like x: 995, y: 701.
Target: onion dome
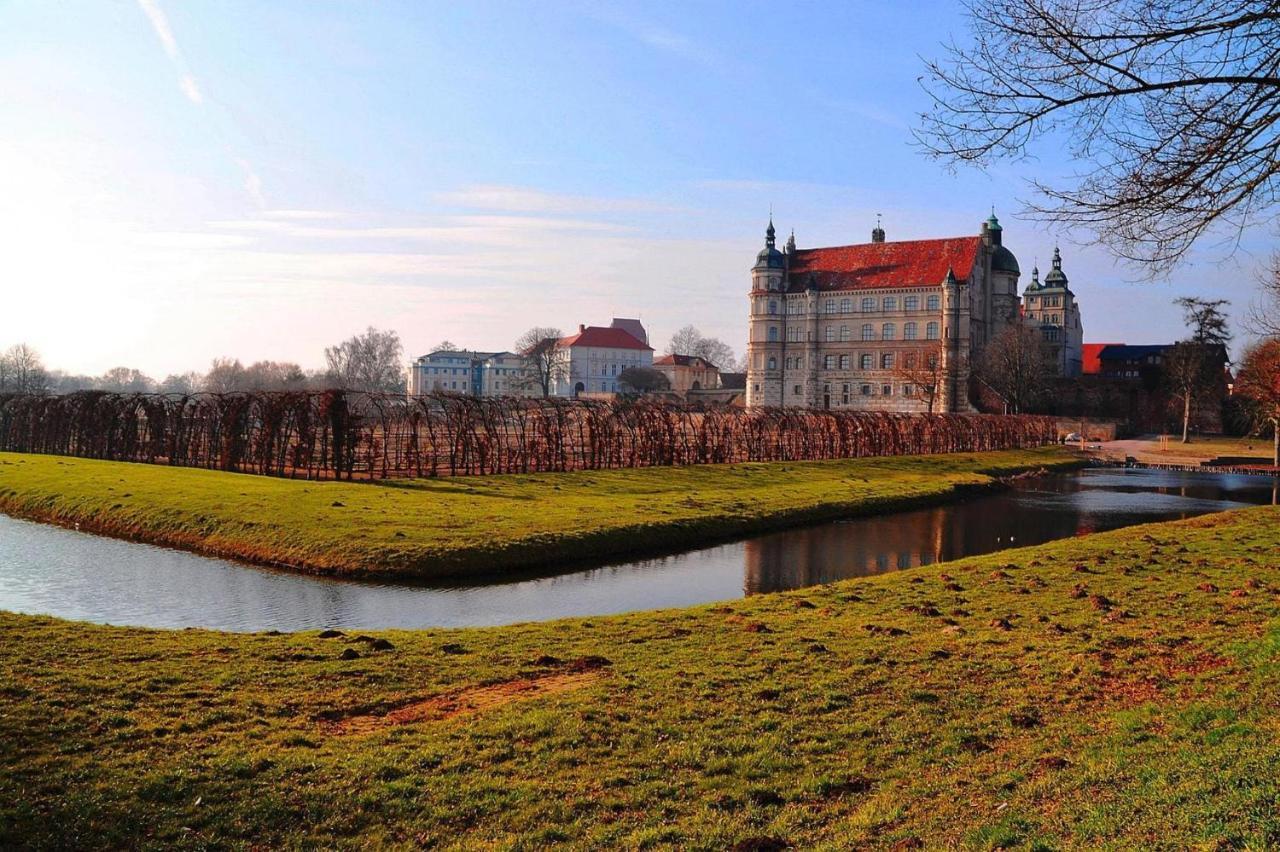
x: 1056, y: 277
x: 769, y: 257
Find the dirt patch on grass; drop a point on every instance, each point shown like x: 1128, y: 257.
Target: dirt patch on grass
x: 465, y: 702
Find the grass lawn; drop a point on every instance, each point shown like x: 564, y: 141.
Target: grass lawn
x: 1209, y: 447
x: 469, y: 525
x: 1117, y: 690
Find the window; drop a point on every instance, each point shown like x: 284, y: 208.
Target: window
x: 773, y: 334
x: 844, y: 334
x: 887, y: 390
x: 890, y: 303
x: 909, y: 331
x: 773, y: 363
x: 828, y: 362
x: 868, y: 305
x: 793, y: 333
x: 844, y: 394
x: 886, y: 361
x: 934, y: 303
x: 907, y: 390
x: 844, y: 362
x: 931, y: 331
x: 830, y: 333
x: 796, y: 390
x: 773, y: 308
x: 911, y: 303
x: 829, y: 306
x: 866, y: 390
x: 868, y: 332
x: 846, y: 306
x: 866, y: 361
x: 888, y: 331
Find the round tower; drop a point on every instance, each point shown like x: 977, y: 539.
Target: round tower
x: 765, y: 329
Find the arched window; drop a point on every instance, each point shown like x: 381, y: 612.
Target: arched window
x: 844, y: 362
x: 886, y: 361
x: 846, y: 305
x: 868, y: 304
x: 773, y: 334
x: 890, y: 303
x: 868, y: 332
x: 829, y: 306
x: 931, y: 331
x: 865, y: 361
x: 844, y: 333
x: 934, y: 303
x: 911, y: 303
x: 830, y: 333
x: 888, y: 331
x: 773, y: 308
x: 909, y: 331
x: 773, y: 363
x: 828, y: 362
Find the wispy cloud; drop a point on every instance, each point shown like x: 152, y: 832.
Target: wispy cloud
x: 160, y: 23
x: 252, y: 183
x: 663, y: 38
x: 520, y: 199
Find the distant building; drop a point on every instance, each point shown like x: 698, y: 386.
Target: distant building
x: 633, y: 327
x: 1052, y: 308
x: 829, y: 327
x: 688, y: 372
x: 1091, y: 362
x: 597, y: 355
x: 469, y: 373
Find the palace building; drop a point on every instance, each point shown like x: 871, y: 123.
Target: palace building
x: 879, y: 326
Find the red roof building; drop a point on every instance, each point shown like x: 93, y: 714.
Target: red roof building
x: 604, y: 338
x: 836, y: 327
x: 595, y: 358
x: 1092, y: 362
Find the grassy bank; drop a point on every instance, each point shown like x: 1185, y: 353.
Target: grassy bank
x: 1115, y: 690
x: 452, y: 527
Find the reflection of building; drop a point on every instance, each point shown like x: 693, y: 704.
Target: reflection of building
x: 688, y: 372
x: 829, y: 327
x: 598, y: 355
x: 1052, y: 308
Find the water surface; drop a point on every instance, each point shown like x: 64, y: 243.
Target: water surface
x: 46, y: 569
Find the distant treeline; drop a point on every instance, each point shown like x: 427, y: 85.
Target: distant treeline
x: 338, y: 434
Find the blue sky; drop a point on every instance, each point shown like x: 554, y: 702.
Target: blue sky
x: 188, y: 180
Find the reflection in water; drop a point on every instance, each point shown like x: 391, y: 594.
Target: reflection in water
x: 45, y: 569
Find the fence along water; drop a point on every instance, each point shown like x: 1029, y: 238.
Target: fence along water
x: 337, y: 434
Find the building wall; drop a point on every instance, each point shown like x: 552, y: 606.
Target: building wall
x: 595, y: 369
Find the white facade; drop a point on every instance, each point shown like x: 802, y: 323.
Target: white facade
x: 470, y: 373
x: 595, y: 359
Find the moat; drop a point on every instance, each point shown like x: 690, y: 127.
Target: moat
x: 49, y: 570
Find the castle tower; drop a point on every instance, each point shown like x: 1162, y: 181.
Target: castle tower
x: 766, y: 325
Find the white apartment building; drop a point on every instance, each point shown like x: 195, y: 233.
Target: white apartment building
x: 597, y: 356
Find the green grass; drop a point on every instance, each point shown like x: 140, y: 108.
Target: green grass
x: 1113, y: 691
x: 453, y: 527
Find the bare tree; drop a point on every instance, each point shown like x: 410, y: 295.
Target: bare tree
x: 545, y: 361
x: 126, y: 380
x: 922, y: 370
x: 182, y: 383
x: 690, y: 341
x: 1264, y: 313
x: 1018, y: 365
x: 1169, y: 108
x: 1259, y: 384
x: 225, y: 375
x: 446, y: 345
x: 643, y: 380
x: 369, y: 362
x: 22, y: 371
x: 273, y: 375
x: 1189, y: 376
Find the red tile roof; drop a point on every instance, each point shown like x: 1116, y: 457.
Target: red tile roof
x: 911, y: 263
x: 1092, y: 363
x: 683, y: 361
x: 604, y: 338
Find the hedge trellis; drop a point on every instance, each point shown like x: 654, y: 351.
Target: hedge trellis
x: 336, y: 434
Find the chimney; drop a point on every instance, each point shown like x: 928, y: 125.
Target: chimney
x: 581, y: 328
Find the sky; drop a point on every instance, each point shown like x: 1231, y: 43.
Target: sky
x: 181, y: 181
